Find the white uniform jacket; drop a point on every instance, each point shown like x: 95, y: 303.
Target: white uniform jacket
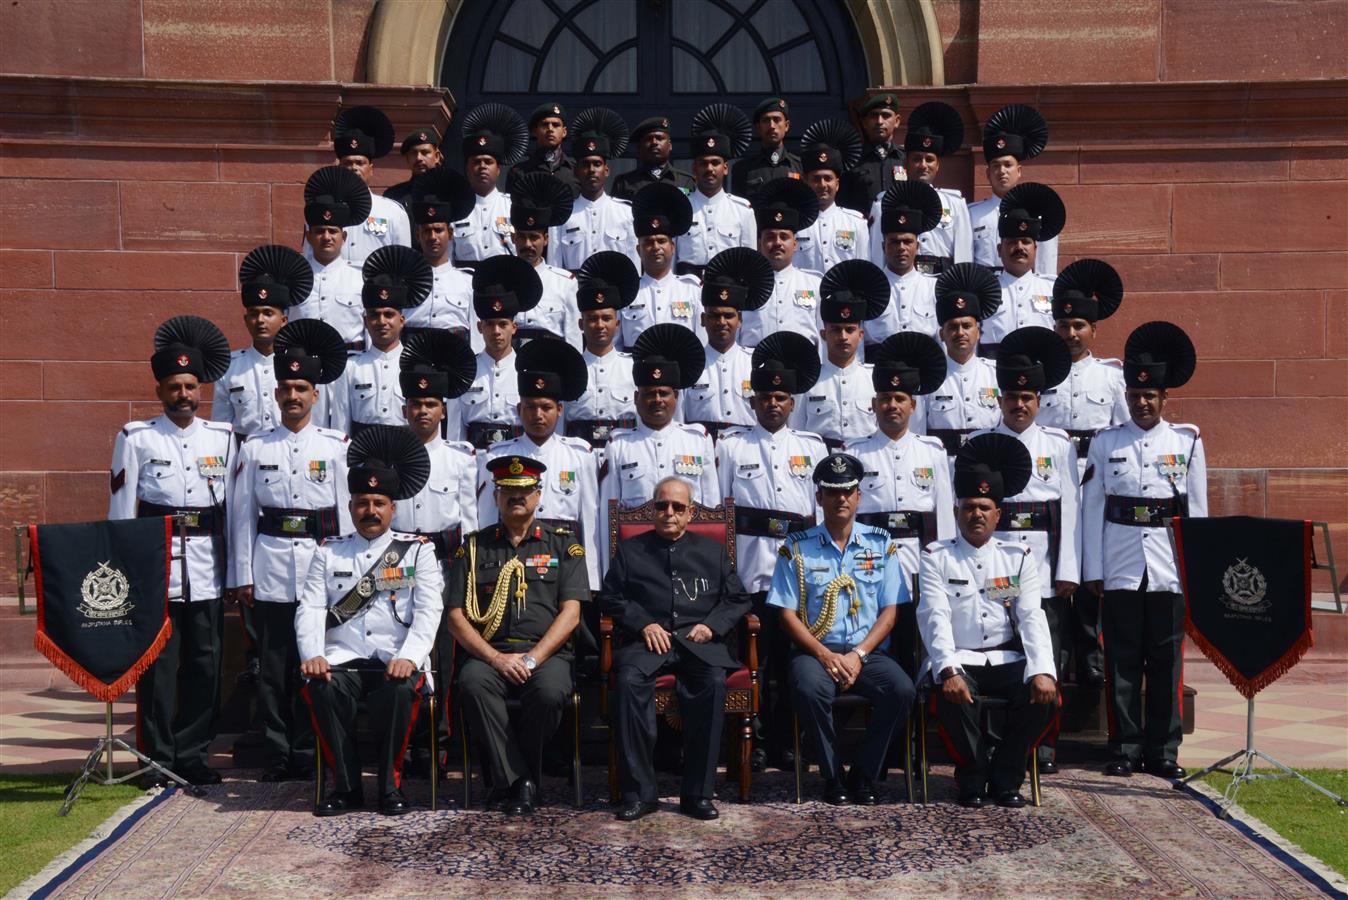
x: 557, y: 313
x: 720, y: 222
x: 450, y: 305
x: 1091, y: 399
x: 245, y: 396
x: 793, y: 306
x: 838, y: 234
x: 912, y: 307
x: 487, y: 230
x: 335, y: 299
x: 674, y: 298
x: 368, y: 391
x: 604, y: 223
x: 1027, y: 300
x: 951, y: 239
x: 838, y: 407
x: 449, y: 499
x: 722, y: 394
x: 967, y: 398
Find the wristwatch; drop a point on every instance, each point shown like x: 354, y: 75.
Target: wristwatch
x: 861, y: 654
x: 530, y: 663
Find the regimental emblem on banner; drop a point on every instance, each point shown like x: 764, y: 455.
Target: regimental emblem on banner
x: 924, y: 477
x: 688, y: 465
x: 987, y: 397
x: 566, y: 482
x: 211, y: 466
x: 1245, y: 587
x: 801, y: 466
x: 1002, y: 589
x: 104, y: 593
x: 1171, y: 465
x: 318, y: 471
x: 1043, y: 467
x: 805, y: 299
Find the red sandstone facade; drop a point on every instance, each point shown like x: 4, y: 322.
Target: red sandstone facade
x: 1201, y: 147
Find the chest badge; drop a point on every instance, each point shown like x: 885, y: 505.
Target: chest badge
x: 390, y: 558
x: 1042, y: 303
x: 845, y: 240
x: 1043, y: 467
x: 924, y: 477
x: 566, y: 482
x: 394, y: 579
x: 318, y: 471
x: 681, y: 309
x: 801, y: 466
x: 688, y: 465
x: 805, y: 299
x: 541, y: 563
x: 376, y: 226
x: 746, y: 389
x: 1172, y: 464
x: 987, y: 397
x: 211, y: 466
x: 1002, y: 589
x: 868, y: 560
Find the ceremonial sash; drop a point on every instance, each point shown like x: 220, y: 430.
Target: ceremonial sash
x: 362, y: 594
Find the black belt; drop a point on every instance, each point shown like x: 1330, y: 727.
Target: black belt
x: 298, y: 523
x: 463, y: 263
x: 687, y: 268
x: 932, y: 265
x: 1144, y: 511
x: 354, y: 346
x: 445, y: 542
x: 1014, y: 644
x: 1083, y: 441
x: 952, y: 438
x: 769, y: 522
x: 903, y: 524
x: 833, y: 444
x: 483, y: 434
x: 597, y: 431
x: 409, y: 330
x: 1045, y: 516
x: 200, y: 521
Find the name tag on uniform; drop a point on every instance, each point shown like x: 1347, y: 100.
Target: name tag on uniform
x: 703, y: 386
x: 364, y: 387
x: 343, y: 574
x: 748, y: 467
x: 269, y: 468
x: 477, y: 389
x: 944, y: 397
x: 160, y: 462
x: 573, y: 229
x: 235, y: 390
x: 1118, y: 459
x: 981, y: 228
x: 211, y: 466
x: 625, y: 466
x: 957, y: 581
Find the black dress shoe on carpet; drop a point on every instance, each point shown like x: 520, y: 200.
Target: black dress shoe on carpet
x: 394, y: 804
x: 637, y: 809
x: 698, y: 808
x: 524, y: 796
x: 151, y: 780
x: 972, y: 801
x: 279, y: 772
x: 835, y: 793
x: 1119, y: 768
x: 1048, y: 767
x: 1165, y: 768
x: 758, y: 760
x: 337, y: 803
x: 202, y: 776
x: 862, y: 791
x: 1010, y: 799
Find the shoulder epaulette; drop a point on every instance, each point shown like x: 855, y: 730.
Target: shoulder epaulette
x: 689, y: 278
x: 800, y: 432
x: 131, y: 427
x: 333, y: 433
x: 980, y: 431
x: 742, y: 201
x: 564, y: 272
x: 1055, y: 432
x: 694, y: 428
x: 851, y: 212
x: 815, y: 272
x: 620, y: 200
x: 237, y: 353
x: 460, y: 445
x: 734, y: 431
x: 1185, y: 426
x: 876, y: 531
x: 1110, y: 361
x: 934, y: 443
x: 218, y: 426
x: 577, y: 443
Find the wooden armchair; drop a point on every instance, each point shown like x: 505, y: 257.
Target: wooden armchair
x: 741, y: 697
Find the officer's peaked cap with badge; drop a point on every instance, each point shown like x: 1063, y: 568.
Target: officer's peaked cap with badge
x: 598, y: 131
x: 785, y: 203
x: 308, y: 350
x: 1016, y: 130
x: 739, y: 278
x: 853, y: 291
x: 1031, y: 210
x: 1032, y: 358
x: 550, y: 367
x: 967, y: 289
x: 661, y: 208
x: 441, y: 195
x: 607, y: 280
x: 1089, y: 289
x: 389, y: 460
x: 549, y: 110
x: 435, y: 362
x: 539, y: 201
x: 516, y: 471
x: 335, y: 196
x: 396, y: 277
x: 784, y: 361
x: 1158, y: 355
x: 495, y: 130
x: 720, y: 129
x: 771, y: 105
x: 908, y: 362
x: 426, y: 134
x: 667, y: 355
x: 189, y: 345
x: 934, y: 127
x: 362, y: 131
x: 651, y: 124
x: 830, y: 144
x: 838, y: 472
x: 275, y: 276
x: 992, y: 466
x: 888, y: 100
x: 504, y: 286
x: 909, y: 207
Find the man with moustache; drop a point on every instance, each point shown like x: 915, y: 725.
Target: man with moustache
x: 661, y: 215
x: 289, y: 493
x: 1029, y: 213
x: 514, y: 598
x: 421, y: 151
x: 178, y: 464
x: 333, y: 199
x: 437, y: 199
x: 782, y: 208
x: 653, y: 148
x: 606, y: 285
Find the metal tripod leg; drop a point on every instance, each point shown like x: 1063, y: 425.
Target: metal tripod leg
x: 107, y: 743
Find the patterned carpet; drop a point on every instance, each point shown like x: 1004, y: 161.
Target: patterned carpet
x: 1093, y: 837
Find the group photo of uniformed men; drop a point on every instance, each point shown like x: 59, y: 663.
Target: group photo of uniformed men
x: 942, y: 498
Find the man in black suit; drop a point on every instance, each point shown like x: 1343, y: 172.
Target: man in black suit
x: 675, y: 596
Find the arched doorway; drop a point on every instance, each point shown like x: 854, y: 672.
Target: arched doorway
x: 648, y: 57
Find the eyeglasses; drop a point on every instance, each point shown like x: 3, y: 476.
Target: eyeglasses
x: 666, y: 505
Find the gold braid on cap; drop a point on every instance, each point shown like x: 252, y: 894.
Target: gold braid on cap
x: 828, y: 612
x: 488, y: 623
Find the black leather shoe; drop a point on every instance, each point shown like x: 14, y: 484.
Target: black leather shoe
x: 1165, y: 768
x: 758, y: 760
x: 862, y: 791
x: 637, y: 809
x: 202, y: 776
x: 497, y: 800
x: 249, y: 674
x: 835, y: 793
x: 524, y: 795
x: 394, y: 804
x: 1048, y: 767
x: 337, y: 803
x: 151, y: 780
x: 972, y: 801
x: 279, y: 772
x: 1010, y: 799
x: 698, y: 808
x: 1119, y: 768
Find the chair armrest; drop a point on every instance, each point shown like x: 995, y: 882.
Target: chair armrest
x: 752, y: 626
x: 605, y: 644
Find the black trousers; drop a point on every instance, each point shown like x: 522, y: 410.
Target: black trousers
x: 178, y: 697
x: 282, y: 719
x: 882, y: 681
x: 512, y: 752
x: 773, y: 728
x: 1085, y: 634
x: 1058, y: 613
x: 1144, y: 639
x: 979, y: 761
x: 393, y: 708
x: 701, y: 690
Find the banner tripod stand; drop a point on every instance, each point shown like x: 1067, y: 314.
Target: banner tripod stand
x: 107, y: 743
x: 1244, y: 769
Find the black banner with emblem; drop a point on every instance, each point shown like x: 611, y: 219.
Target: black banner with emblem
x: 102, y: 599
x: 1247, y: 591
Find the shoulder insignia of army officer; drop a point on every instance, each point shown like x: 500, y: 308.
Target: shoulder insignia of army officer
x: 575, y: 550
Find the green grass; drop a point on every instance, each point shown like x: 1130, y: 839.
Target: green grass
x: 1303, y: 816
x: 33, y: 834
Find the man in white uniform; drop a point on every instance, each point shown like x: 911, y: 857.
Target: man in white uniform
x: 606, y: 285
x: 1013, y: 135
x: 662, y: 214
x: 828, y: 149
x: 503, y: 286
x: 720, y: 219
x: 333, y: 199
x: 539, y: 205
x: 782, y: 208
x: 1030, y: 213
x: 597, y: 221
x: 908, y: 210
x: 439, y: 198
x: 967, y: 400
x: 493, y: 136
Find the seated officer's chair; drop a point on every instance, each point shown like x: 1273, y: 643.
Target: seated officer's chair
x: 434, y: 747
x: 741, y: 696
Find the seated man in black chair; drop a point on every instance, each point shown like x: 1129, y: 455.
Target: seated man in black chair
x: 984, y: 628
x: 366, y: 620
x: 535, y: 579
x: 675, y: 596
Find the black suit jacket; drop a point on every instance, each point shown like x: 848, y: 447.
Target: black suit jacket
x: 677, y: 584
